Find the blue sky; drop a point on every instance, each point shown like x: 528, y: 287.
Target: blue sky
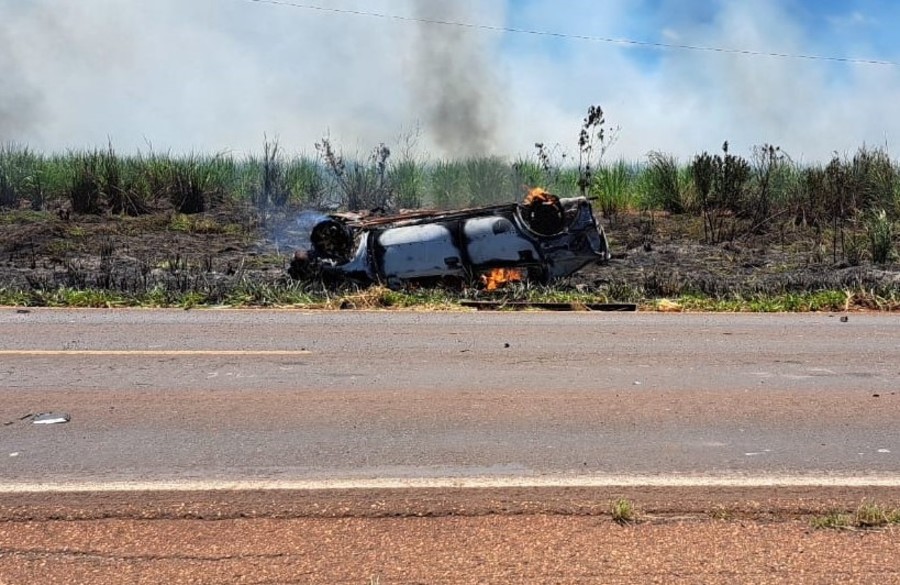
x: 687, y: 101
x: 829, y: 25
x: 219, y: 75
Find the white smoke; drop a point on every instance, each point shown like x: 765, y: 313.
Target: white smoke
x: 217, y: 75
x: 688, y: 101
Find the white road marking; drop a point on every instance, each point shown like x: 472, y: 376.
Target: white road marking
x: 624, y: 481
x: 151, y: 352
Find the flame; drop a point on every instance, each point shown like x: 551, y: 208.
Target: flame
x: 499, y: 277
x: 540, y: 195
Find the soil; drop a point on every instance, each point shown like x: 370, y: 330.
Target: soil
x: 443, y: 537
x: 657, y: 255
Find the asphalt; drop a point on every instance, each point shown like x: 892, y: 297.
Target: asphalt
x: 274, y: 398
x: 295, y: 447
x: 268, y: 396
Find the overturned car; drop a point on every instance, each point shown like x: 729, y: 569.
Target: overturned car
x: 540, y: 239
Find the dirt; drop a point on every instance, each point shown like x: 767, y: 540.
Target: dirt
x: 654, y: 504
x: 654, y: 256
x: 537, y: 549
x: 442, y: 537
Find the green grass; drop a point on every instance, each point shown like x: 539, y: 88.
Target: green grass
x: 833, y: 520
x: 248, y: 293
x: 24, y: 217
x: 613, y: 188
x: 623, y: 511
x: 868, y: 515
x: 872, y: 515
x: 15, y: 298
x: 762, y: 303
x: 663, y: 184
x: 722, y: 514
x: 409, y: 182
x: 245, y: 294
x: 880, y: 231
x: 774, y: 194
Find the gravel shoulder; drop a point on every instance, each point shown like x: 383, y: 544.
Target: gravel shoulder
x: 484, y: 549
x: 565, y: 536
x: 764, y: 504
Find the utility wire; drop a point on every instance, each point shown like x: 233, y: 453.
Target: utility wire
x: 588, y: 38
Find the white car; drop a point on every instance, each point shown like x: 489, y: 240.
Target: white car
x: 543, y: 238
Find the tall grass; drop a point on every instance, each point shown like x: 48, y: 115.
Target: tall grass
x: 447, y: 187
x: 664, y: 184
x: 612, y: 188
x: 32, y: 178
x: 880, y: 231
x: 409, y: 181
x: 734, y: 195
x: 489, y: 180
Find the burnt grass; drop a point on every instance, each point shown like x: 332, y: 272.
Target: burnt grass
x: 233, y: 255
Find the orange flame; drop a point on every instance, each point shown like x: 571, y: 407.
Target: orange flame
x: 499, y: 277
x: 540, y: 195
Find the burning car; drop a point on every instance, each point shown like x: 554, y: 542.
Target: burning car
x: 540, y: 239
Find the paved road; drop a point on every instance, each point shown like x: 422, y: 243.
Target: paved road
x: 178, y: 418
x: 317, y: 399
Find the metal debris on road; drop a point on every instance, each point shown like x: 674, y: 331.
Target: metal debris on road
x: 51, y: 418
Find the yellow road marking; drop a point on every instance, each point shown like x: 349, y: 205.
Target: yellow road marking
x: 150, y: 352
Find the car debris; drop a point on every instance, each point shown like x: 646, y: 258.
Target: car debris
x: 541, y: 239
x: 547, y: 306
x: 51, y: 418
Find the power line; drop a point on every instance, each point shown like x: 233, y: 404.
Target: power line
x: 588, y: 38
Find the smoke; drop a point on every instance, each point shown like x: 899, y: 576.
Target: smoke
x: 212, y: 76
x: 19, y: 108
x: 202, y: 76
x: 455, y: 81
x: 19, y: 102
x: 685, y: 102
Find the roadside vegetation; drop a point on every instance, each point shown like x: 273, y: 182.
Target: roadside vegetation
x: 70, y: 214
x: 285, y: 294
x: 868, y: 515
x: 623, y: 512
x: 849, y: 206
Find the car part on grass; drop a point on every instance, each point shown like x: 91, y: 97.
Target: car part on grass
x: 541, y: 239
